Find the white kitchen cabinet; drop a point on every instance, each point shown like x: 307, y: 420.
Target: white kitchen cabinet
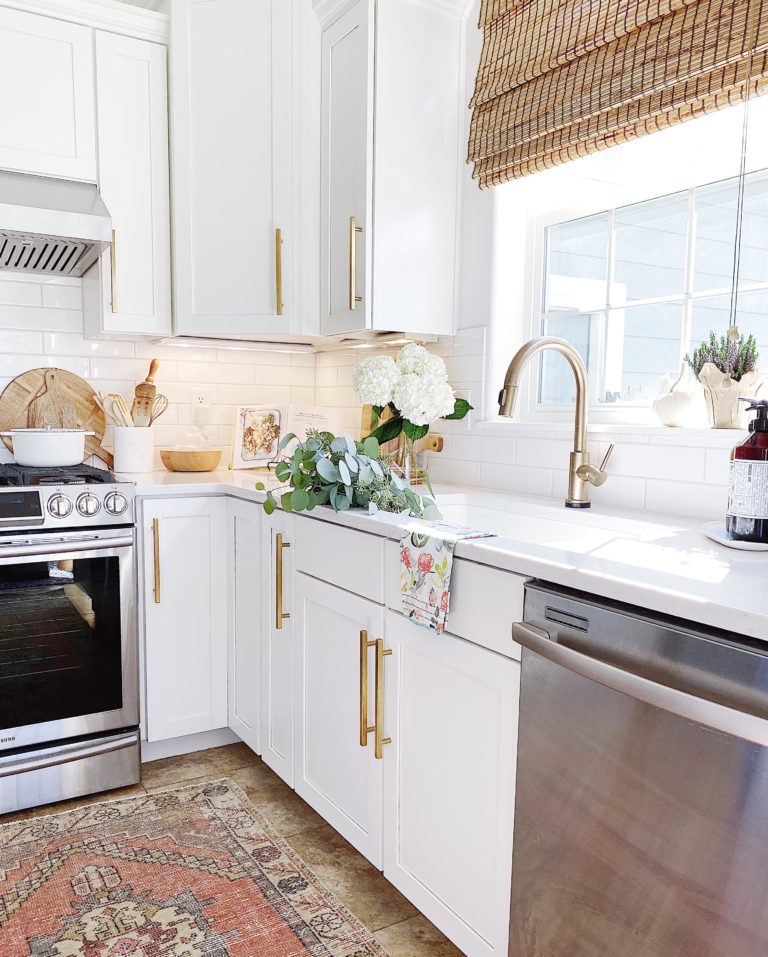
x: 184, y: 565
x: 277, y: 702
x: 451, y: 710
x: 245, y: 620
x: 128, y: 292
x: 232, y: 109
x: 390, y: 157
x: 338, y: 776
x: 47, y: 123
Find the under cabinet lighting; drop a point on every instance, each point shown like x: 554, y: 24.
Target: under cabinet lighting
x: 249, y: 345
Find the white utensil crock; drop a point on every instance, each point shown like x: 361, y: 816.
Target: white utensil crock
x: 134, y: 449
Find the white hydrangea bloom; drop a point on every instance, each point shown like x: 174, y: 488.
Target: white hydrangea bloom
x: 375, y: 379
x: 414, y: 358
x: 422, y: 399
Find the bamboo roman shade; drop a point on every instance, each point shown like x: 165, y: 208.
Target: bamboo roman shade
x: 560, y: 79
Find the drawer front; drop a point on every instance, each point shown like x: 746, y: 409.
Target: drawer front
x: 485, y: 602
x: 341, y: 556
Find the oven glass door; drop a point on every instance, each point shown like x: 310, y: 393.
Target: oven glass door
x: 62, y: 644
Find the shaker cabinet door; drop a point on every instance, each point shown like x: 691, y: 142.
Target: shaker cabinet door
x: 185, y: 615
x: 231, y: 96
x: 47, y: 121
x: 278, y: 656
x: 346, y: 170
x: 129, y: 291
x: 335, y: 773
x: 449, y: 783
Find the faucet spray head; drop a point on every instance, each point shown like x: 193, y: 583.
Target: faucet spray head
x: 507, y: 401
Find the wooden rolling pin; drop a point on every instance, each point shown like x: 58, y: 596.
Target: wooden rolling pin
x: 144, y: 397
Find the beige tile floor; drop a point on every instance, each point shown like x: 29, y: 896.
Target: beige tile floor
x: 400, y: 929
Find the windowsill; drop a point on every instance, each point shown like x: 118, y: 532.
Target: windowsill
x: 640, y: 433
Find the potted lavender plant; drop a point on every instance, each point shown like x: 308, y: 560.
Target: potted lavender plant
x: 727, y: 369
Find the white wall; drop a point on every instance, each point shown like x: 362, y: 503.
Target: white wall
x: 41, y: 325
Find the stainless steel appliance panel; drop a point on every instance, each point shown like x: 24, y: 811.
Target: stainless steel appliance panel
x: 641, y: 819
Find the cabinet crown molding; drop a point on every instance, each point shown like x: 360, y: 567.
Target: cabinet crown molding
x: 109, y: 15
x: 327, y: 11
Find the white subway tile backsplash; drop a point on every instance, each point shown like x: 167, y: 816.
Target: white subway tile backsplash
x: 12, y: 365
x: 20, y: 293
x: 517, y: 478
x: 18, y: 340
x: 46, y: 320
x: 687, y: 498
x: 717, y: 466
x: 62, y: 297
x: 73, y: 344
x: 658, y: 461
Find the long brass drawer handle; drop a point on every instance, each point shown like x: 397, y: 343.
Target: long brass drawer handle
x: 353, y: 229
x: 279, y: 272
x: 113, y: 270
x: 381, y: 653
x: 280, y: 615
x: 156, y: 544
x: 365, y: 728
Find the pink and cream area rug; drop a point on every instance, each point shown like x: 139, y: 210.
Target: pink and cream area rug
x: 189, y: 872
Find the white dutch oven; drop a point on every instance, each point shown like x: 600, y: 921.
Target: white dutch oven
x: 48, y: 448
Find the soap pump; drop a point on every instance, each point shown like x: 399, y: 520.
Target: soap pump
x: 747, y: 518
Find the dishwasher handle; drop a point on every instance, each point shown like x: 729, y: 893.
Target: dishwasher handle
x: 690, y: 707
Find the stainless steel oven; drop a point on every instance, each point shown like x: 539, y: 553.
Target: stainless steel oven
x: 69, y: 695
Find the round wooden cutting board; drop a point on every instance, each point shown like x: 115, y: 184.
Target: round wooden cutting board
x: 18, y: 400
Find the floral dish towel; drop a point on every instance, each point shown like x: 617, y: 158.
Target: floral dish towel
x: 426, y: 561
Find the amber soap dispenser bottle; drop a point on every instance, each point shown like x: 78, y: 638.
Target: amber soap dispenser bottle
x: 747, y: 518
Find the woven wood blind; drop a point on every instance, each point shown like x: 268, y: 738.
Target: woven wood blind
x: 560, y: 79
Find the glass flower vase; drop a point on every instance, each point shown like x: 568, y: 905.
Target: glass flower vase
x: 408, y: 462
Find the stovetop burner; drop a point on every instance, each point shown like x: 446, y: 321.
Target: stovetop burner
x: 19, y: 475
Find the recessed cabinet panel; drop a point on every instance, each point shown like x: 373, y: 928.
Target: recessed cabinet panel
x: 245, y: 624
x: 129, y: 291
x: 231, y: 97
x: 449, y: 783
x: 347, y: 104
x: 47, y: 118
x: 335, y: 774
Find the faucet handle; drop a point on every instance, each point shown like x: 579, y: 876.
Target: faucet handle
x: 595, y: 476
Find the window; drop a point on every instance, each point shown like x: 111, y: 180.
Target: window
x: 636, y: 288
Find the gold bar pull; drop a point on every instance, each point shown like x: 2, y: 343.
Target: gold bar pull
x: 365, y: 728
x: 280, y: 615
x: 279, y: 271
x: 381, y: 653
x: 353, y: 297
x: 113, y: 271
x: 156, y: 542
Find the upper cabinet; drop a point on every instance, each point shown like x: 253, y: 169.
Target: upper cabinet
x: 390, y: 145
x: 128, y: 292
x: 47, y: 126
x: 231, y: 96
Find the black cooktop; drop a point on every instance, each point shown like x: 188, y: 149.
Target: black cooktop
x: 19, y: 475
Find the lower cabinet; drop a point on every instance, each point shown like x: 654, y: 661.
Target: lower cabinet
x: 184, y: 565
x: 336, y: 773
x: 277, y: 669
x: 449, y: 779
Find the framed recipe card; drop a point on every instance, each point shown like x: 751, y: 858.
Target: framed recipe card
x: 259, y: 429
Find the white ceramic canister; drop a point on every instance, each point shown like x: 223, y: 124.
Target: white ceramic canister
x: 134, y: 449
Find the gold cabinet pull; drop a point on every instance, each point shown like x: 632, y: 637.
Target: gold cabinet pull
x: 381, y: 653
x: 280, y: 615
x: 365, y: 728
x: 279, y: 271
x: 156, y: 543
x: 353, y: 297
x: 113, y: 270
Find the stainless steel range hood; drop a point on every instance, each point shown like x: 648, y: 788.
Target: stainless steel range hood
x: 50, y: 227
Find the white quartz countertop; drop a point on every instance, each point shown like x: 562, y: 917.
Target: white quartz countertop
x: 654, y: 561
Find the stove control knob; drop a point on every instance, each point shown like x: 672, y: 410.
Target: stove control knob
x: 59, y: 505
x: 115, y: 503
x: 88, y: 504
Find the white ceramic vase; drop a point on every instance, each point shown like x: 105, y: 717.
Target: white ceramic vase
x: 722, y: 394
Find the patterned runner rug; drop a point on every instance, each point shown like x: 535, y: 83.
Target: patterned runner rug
x: 190, y: 872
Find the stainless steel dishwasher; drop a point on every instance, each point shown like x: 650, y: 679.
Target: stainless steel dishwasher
x: 641, y: 817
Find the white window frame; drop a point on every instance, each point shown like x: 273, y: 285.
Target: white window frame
x: 625, y: 413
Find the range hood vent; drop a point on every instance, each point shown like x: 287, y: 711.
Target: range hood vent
x: 50, y: 227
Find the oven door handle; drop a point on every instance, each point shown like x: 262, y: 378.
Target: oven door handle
x: 59, y: 546
x: 66, y: 754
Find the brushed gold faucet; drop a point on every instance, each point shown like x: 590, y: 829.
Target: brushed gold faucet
x: 580, y: 473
